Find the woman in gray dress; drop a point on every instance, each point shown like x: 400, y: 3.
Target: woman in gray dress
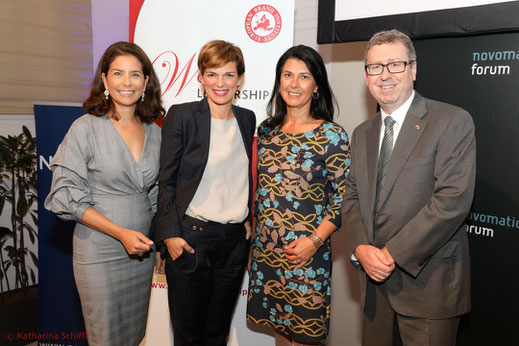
x: 104, y: 178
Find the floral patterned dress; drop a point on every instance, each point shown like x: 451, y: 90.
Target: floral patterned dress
x: 301, y: 182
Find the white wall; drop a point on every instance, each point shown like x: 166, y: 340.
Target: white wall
x: 110, y: 23
x: 12, y: 124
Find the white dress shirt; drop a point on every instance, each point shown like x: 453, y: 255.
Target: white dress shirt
x: 399, y: 116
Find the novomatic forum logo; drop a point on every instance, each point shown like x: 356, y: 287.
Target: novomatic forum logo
x: 263, y: 23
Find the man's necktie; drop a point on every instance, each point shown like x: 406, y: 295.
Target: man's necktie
x: 383, y: 160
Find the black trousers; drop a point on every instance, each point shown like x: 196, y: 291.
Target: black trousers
x: 203, y: 287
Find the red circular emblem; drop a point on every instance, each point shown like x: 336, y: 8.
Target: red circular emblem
x: 263, y: 23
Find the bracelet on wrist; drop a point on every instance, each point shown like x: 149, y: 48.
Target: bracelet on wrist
x: 318, y: 242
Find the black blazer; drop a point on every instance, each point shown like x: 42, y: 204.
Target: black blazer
x: 183, y: 156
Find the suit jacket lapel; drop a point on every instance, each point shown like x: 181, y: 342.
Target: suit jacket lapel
x: 243, y: 130
x: 203, y: 119
x: 412, y: 129
x: 372, y: 138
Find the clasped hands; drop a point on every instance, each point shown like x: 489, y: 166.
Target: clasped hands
x: 377, y: 263
x: 300, y: 251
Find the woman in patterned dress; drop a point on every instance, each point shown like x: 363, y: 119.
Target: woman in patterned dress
x: 303, y: 160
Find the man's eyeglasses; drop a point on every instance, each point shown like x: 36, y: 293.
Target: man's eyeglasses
x: 392, y: 67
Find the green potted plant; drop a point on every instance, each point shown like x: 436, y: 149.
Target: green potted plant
x: 18, y: 192
x: 18, y: 299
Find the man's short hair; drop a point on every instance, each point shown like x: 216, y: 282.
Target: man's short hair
x: 389, y: 37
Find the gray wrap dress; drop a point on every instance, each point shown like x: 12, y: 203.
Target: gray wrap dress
x: 94, y: 167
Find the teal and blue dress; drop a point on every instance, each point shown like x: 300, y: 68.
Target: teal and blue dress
x: 301, y: 182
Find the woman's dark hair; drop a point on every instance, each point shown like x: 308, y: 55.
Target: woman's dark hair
x: 148, y: 110
x: 321, y: 107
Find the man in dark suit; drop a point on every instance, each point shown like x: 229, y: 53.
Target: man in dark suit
x: 408, y: 193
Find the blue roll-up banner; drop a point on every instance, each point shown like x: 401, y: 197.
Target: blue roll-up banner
x: 59, y: 311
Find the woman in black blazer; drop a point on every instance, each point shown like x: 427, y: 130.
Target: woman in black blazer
x: 205, y: 188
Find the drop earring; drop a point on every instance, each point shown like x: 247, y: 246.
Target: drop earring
x: 106, y: 93
x: 142, y: 97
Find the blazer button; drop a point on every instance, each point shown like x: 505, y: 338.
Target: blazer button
x: 201, y: 229
x: 194, y: 228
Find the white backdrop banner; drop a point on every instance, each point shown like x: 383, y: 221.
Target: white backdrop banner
x: 172, y: 33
